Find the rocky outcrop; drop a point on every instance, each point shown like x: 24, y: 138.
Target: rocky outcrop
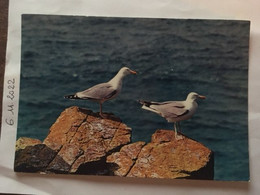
x: 80, y: 142
x: 164, y: 157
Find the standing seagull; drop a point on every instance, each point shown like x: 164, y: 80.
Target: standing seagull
x: 103, y: 91
x: 174, y: 111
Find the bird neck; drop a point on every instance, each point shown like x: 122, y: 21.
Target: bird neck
x: 117, y: 80
x: 190, y: 101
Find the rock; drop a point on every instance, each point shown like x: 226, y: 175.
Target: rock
x: 65, y: 127
x: 23, y: 142
x: 58, y: 165
x: 33, y: 158
x: 121, y: 162
x: 86, y: 138
x: 166, y: 157
x: 80, y: 140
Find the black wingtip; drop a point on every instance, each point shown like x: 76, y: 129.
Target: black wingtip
x: 140, y: 101
x: 70, y: 97
x: 143, y: 102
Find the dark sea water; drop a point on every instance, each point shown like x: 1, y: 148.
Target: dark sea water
x: 62, y: 55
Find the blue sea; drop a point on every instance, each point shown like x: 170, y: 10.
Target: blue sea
x: 65, y: 54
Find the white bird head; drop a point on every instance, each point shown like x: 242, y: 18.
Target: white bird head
x: 194, y: 96
x: 118, y: 79
x: 125, y: 71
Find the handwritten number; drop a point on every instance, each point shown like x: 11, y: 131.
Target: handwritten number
x: 10, y: 87
x: 9, y: 82
x: 9, y: 121
x: 11, y: 96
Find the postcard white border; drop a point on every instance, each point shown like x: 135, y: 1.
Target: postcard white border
x: 11, y: 182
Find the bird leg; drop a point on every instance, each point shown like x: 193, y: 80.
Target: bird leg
x: 177, y: 128
x: 100, y: 111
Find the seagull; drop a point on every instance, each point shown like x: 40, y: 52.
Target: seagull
x: 174, y: 111
x: 103, y: 91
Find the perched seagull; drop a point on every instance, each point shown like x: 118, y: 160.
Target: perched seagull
x: 103, y: 91
x: 174, y: 111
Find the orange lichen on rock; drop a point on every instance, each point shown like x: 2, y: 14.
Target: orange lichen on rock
x: 167, y: 157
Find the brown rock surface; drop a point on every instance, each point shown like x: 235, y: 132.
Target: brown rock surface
x: 80, y: 138
x: 83, y: 143
x: 86, y: 137
x: 125, y: 158
x: 65, y: 127
x: 166, y: 157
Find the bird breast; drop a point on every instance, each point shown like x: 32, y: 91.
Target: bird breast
x: 191, y: 107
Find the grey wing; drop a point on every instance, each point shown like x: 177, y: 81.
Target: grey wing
x: 98, y: 92
x: 170, y: 103
x: 150, y: 103
x: 171, y: 109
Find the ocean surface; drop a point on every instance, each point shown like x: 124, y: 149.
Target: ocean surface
x: 65, y: 54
